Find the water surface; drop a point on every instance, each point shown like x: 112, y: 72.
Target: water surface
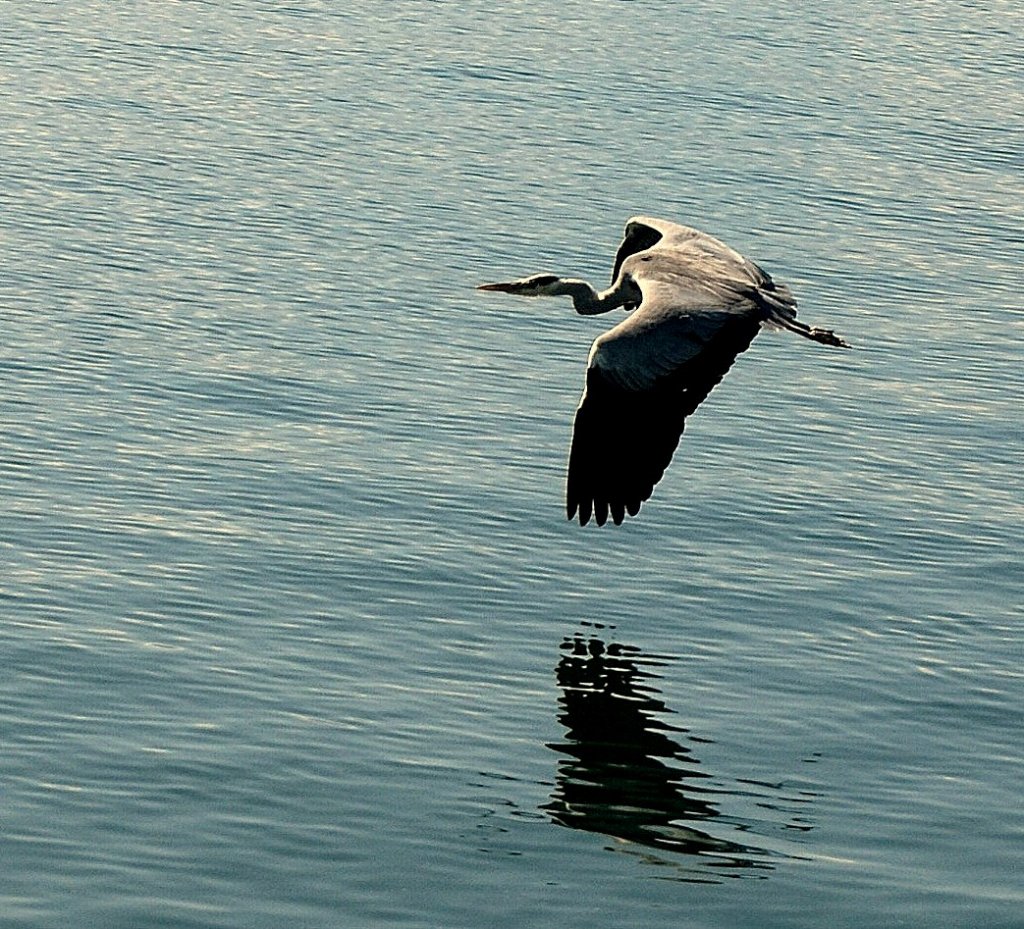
x: 295, y: 632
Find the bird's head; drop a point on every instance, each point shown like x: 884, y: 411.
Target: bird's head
x: 538, y: 285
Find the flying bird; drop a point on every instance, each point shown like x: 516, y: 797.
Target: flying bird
x: 694, y: 305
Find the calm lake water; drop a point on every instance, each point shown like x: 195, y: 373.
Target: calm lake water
x: 294, y: 630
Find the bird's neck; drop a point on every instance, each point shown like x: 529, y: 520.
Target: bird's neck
x: 586, y: 300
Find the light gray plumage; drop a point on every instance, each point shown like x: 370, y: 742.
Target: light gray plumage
x: 696, y: 304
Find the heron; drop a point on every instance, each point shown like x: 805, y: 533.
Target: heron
x: 694, y: 305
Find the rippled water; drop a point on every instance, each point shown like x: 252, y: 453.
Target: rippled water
x: 294, y: 631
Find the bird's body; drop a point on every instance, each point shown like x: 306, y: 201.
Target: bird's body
x: 696, y: 304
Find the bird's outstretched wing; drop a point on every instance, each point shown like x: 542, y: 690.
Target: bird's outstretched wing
x: 644, y: 232
x: 644, y: 378
x: 696, y: 247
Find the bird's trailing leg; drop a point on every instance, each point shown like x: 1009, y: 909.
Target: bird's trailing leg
x: 824, y: 336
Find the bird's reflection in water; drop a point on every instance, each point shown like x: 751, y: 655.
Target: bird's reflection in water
x: 625, y: 774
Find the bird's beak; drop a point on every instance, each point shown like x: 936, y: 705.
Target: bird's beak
x: 509, y: 287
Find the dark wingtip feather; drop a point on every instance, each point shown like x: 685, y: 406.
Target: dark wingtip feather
x: 585, y: 510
